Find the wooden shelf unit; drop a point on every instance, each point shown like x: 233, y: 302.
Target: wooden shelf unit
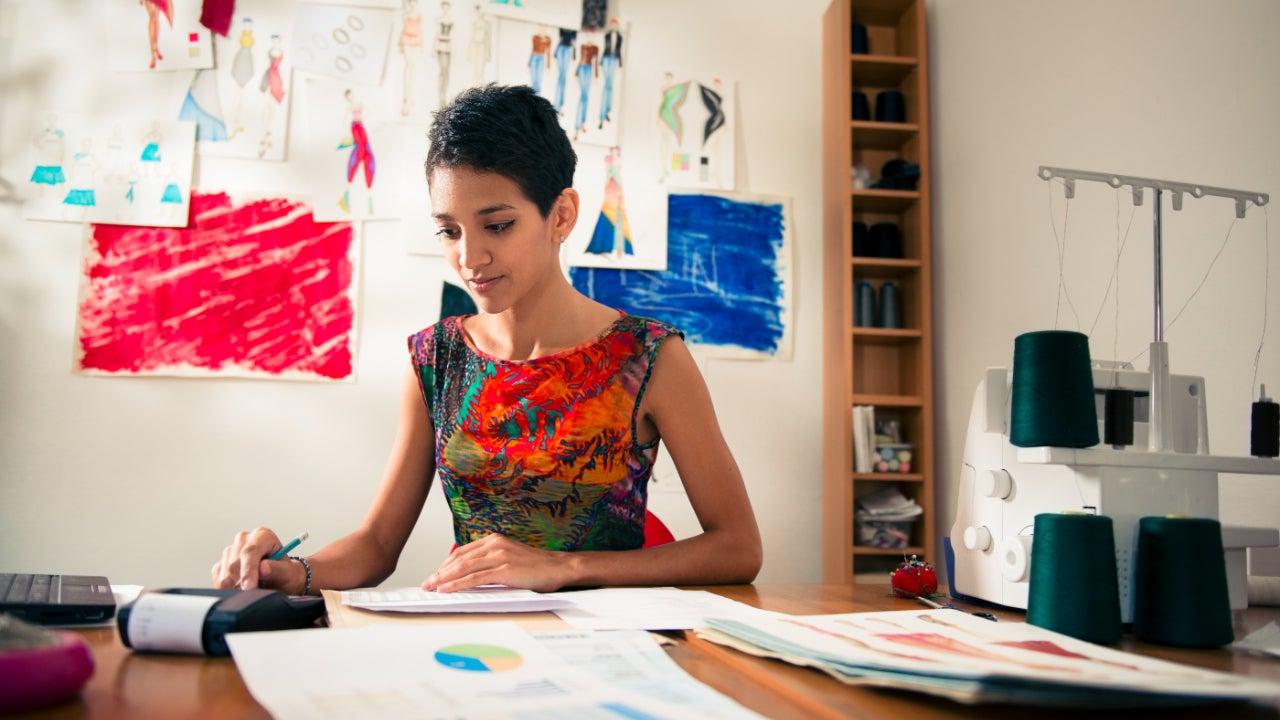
x: 890, y: 368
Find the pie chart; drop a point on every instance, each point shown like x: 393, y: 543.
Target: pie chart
x: 476, y: 657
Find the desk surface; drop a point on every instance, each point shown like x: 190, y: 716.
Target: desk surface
x: 131, y: 685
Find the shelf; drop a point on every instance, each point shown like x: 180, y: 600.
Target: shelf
x: 904, y: 401
x: 888, y: 477
x: 885, y: 336
x: 880, y: 70
x: 868, y: 550
x: 874, y: 200
x: 882, y: 135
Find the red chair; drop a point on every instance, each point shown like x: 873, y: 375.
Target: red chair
x: 655, y: 532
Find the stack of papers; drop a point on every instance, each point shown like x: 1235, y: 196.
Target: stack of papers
x: 888, y: 505
x: 968, y: 659
x: 487, y: 598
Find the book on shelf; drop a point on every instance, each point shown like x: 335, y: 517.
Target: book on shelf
x: 864, y: 445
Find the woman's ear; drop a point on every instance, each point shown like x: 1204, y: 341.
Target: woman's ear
x: 564, y: 213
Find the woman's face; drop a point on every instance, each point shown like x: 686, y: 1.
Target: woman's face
x: 494, y: 237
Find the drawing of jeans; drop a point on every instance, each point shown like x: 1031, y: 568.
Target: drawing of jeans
x: 610, y: 65
x: 563, y: 53
x: 584, y: 82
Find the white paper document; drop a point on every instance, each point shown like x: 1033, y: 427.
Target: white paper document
x: 650, y: 609
x: 490, y: 598
x: 473, y: 670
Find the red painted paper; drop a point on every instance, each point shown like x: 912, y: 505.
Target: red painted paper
x: 254, y: 288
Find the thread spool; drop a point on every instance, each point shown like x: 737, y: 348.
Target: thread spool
x: 884, y: 240
x: 858, y: 44
x: 1180, y: 594
x: 861, y: 106
x: 1117, y: 424
x: 890, y: 316
x: 1074, y: 589
x: 1264, y: 427
x: 860, y: 240
x: 1052, y: 391
x: 864, y: 306
x: 891, y: 106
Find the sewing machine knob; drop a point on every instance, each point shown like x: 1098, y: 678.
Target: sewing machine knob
x: 996, y: 484
x: 977, y: 538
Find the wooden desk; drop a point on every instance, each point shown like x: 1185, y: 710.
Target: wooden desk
x: 139, y: 686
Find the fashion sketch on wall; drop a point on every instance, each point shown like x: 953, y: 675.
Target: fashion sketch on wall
x: 694, y: 121
x: 580, y: 72
x: 103, y: 169
x: 248, y: 117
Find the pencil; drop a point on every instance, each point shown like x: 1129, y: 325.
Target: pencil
x: 280, y: 554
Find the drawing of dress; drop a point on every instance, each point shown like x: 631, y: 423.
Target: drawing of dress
x: 203, y: 107
x: 48, y: 170
x: 564, y: 55
x: 171, y: 194
x: 610, y: 62
x: 538, y: 60
x: 81, y: 188
x: 272, y: 81
x: 612, y: 235
x: 242, y: 65
x: 673, y: 97
x: 715, y: 116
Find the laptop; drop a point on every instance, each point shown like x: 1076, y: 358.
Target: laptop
x: 53, y: 599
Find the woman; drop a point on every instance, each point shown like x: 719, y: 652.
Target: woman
x: 543, y: 412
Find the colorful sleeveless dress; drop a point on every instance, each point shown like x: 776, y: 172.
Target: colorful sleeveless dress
x: 543, y: 451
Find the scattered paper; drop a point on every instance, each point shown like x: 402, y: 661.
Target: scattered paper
x: 1264, y: 640
x: 483, y: 599
x: 651, y: 609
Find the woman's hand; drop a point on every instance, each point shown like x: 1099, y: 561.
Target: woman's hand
x: 499, y: 560
x: 244, y: 564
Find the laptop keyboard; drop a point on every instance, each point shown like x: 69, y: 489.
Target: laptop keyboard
x: 25, y: 587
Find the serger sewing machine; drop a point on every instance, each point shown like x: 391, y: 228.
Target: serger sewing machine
x: 1003, y: 487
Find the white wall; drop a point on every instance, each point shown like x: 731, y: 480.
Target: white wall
x: 1171, y: 89
x: 146, y: 479
x: 160, y: 472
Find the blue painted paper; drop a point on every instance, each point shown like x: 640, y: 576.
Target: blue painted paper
x: 727, y: 278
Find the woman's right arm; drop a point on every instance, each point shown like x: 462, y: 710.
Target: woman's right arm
x: 367, y: 556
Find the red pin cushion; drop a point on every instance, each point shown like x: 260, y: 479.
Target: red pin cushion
x: 37, y: 677
x: 914, y: 578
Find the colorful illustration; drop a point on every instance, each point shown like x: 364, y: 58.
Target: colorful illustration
x: 252, y: 288
x: 729, y: 279
x: 104, y: 169
x: 578, y: 71
x: 697, y: 137
x: 251, y: 82
x: 349, y: 145
x: 475, y: 657
x: 361, y: 152
x: 612, y: 235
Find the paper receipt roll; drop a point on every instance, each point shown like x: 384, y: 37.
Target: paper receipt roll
x: 169, y: 623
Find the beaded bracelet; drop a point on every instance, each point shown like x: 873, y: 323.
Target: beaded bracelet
x: 306, y: 589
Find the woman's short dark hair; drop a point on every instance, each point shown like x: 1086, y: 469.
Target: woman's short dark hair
x: 509, y: 130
